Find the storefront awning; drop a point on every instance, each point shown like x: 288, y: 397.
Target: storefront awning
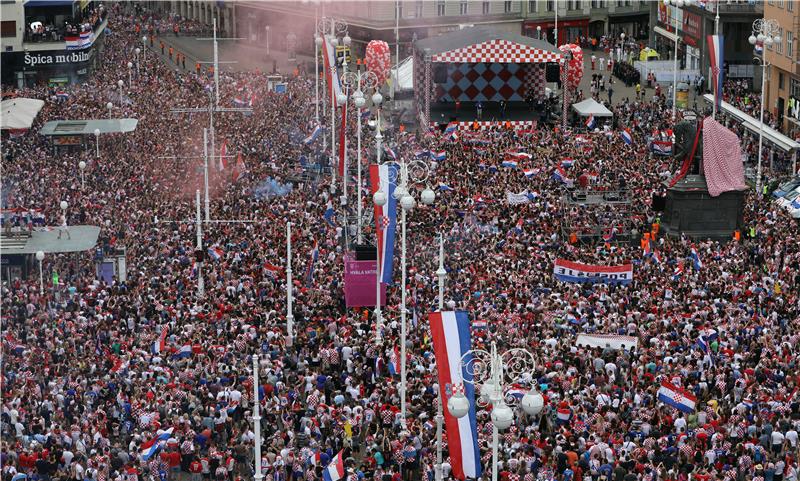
x: 49, y: 3
x: 665, y: 33
x: 87, y: 127
x: 753, y: 125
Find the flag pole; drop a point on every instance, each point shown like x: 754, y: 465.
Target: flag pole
x: 289, y: 315
x: 199, y: 223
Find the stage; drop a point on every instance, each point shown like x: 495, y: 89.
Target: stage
x: 519, y: 114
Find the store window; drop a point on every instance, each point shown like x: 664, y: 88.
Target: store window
x: 507, y: 6
x: 8, y: 28
x: 486, y: 8
x: 464, y: 7
x: 440, y: 8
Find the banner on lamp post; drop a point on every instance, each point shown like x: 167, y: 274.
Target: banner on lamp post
x: 359, y: 283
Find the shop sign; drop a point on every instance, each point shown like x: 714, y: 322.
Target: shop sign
x: 32, y: 59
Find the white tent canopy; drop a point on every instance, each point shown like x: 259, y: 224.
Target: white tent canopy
x: 18, y: 113
x: 591, y: 107
x: 403, y: 75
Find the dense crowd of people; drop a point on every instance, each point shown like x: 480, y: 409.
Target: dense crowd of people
x: 94, y: 371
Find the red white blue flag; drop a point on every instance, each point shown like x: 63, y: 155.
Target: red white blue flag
x: 451, y: 341
x: 335, y: 470
x: 676, y: 397
x: 383, y: 177
x: 716, y: 50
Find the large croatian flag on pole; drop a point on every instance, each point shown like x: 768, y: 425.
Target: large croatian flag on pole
x: 451, y: 341
x: 383, y: 177
x: 676, y: 397
x: 716, y: 49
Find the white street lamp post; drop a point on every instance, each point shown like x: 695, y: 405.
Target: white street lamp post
x: 494, y: 372
x: 144, y: 47
x: 130, y: 74
x: 289, y: 314
x: 137, y: 50
x: 366, y: 80
x: 539, y: 32
x: 256, y: 421
x: 81, y: 167
x: 109, y: 106
x: 441, y: 273
x: 97, y: 142
x: 40, y: 258
x: 766, y: 33
x: 343, y: 102
x: 121, y: 85
x: 267, y: 30
x: 379, y: 198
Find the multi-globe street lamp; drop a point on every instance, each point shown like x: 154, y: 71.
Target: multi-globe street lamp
x: 766, y: 32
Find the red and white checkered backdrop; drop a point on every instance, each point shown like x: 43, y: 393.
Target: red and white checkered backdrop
x: 496, y: 51
x: 471, y: 82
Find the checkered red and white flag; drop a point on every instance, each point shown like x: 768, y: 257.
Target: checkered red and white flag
x: 722, y: 158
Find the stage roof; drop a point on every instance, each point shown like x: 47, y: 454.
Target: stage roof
x: 487, y: 45
x: 87, y: 127
x: 82, y: 238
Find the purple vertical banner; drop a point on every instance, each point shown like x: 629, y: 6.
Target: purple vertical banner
x: 359, y: 283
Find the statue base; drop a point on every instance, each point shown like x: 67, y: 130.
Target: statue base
x: 690, y: 210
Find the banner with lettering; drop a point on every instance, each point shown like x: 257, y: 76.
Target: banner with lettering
x: 359, y: 283
x: 568, y: 271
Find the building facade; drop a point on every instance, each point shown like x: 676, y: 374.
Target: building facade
x: 202, y: 11
x: 782, y: 96
x: 698, y: 20
x: 50, y: 41
x: 585, y: 18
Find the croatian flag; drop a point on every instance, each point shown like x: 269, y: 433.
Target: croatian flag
x: 560, y: 175
x: 698, y: 264
x: 223, y: 154
x: 676, y: 397
x: 626, y: 136
x: 239, y: 170
x: 184, y: 352
x: 530, y: 172
x: 390, y: 152
x: 478, y: 325
x: 515, y: 391
x: 335, y: 470
x: 590, y: 123
x: 238, y: 102
x: 451, y: 342
x: 662, y: 147
x: 716, y: 49
x: 62, y: 95
x: 151, y: 447
x: 216, y: 253
x: 311, y: 261
x: 451, y: 127
x: 510, y: 164
x: 678, y: 272
x: 313, y: 136
x: 394, y: 362
x: 563, y: 415
x: 567, y: 163
x: 519, y: 155
x: 439, y: 156
x: 453, y: 137
x: 161, y: 343
x: 382, y: 177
